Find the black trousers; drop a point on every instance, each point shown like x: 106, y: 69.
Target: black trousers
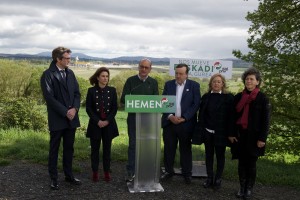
x: 106, y: 151
x: 131, y: 130
x: 68, y: 136
x: 171, y: 135
x: 247, y: 169
x: 210, y: 150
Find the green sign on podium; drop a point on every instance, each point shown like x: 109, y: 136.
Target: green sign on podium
x: 150, y: 104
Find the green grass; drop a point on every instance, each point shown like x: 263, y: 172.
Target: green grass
x: 87, y: 73
x: 33, y: 146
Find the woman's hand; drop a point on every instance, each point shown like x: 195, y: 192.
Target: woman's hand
x: 260, y: 144
x: 102, y: 124
x: 232, y: 139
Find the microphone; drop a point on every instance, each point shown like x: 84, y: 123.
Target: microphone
x: 134, y: 88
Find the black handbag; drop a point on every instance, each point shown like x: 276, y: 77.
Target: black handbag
x: 198, y: 136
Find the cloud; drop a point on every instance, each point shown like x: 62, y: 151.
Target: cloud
x: 210, y: 29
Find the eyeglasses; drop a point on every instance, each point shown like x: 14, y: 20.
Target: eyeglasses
x: 144, y: 67
x: 66, y: 58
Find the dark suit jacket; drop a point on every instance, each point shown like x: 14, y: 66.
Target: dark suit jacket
x: 224, y: 117
x: 109, y: 98
x: 258, y: 124
x: 60, y: 96
x: 189, y: 103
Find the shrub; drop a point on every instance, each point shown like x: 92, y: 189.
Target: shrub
x: 83, y: 88
x: 21, y: 113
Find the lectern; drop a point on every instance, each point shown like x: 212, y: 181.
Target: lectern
x: 148, y: 109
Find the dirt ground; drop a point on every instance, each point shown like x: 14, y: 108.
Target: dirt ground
x: 23, y: 180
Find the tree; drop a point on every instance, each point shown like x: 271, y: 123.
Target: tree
x: 274, y: 40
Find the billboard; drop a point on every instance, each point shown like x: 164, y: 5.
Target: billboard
x: 203, y: 68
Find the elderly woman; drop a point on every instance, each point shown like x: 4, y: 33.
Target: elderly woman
x: 216, y: 122
x: 252, y: 109
x: 101, y: 107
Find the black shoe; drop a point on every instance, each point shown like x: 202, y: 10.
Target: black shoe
x: 129, y: 177
x: 208, y: 183
x: 248, y: 193
x: 166, y: 176
x: 188, y: 179
x: 54, y: 184
x: 72, y: 180
x: 217, y: 184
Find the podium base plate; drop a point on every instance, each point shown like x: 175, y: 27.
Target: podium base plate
x: 154, y: 187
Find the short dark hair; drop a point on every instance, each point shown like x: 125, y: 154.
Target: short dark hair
x: 93, y: 79
x: 58, y: 53
x: 252, y: 71
x: 183, y: 65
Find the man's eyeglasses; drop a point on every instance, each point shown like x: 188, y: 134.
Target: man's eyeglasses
x: 66, y: 58
x: 144, y: 67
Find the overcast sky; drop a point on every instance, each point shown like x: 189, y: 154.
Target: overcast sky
x: 200, y: 29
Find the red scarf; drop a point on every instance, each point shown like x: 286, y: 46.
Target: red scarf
x: 244, y: 104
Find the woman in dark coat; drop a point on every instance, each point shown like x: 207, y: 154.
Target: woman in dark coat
x: 252, y: 110
x: 216, y: 122
x: 101, y: 107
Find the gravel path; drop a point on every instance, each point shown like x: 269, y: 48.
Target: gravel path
x: 22, y: 180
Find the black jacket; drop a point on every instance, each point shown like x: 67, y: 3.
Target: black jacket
x: 258, y: 125
x: 93, y: 101
x: 60, y: 96
x: 224, y: 117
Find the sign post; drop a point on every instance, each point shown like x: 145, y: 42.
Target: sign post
x: 148, y: 109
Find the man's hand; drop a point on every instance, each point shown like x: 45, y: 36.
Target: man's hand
x: 176, y: 120
x: 71, y: 113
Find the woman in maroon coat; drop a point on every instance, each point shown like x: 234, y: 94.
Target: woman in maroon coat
x: 101, y: 106
x: 252, y: 126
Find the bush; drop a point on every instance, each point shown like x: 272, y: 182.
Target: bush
x: 21, y: 113
x: 83, y: 88
x: 19, y: 79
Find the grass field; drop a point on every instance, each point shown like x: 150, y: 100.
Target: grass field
x: 87, y: 73
x: 33, y: 146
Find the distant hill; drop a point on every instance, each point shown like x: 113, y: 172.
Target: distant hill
x: 80, y: 56
x: 118, y: 60
x: 136, y: 59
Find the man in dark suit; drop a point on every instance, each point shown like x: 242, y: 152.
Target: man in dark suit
x: 179, y: 126
x: 61, y: 92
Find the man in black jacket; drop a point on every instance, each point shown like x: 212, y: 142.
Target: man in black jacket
x: 61, y: 92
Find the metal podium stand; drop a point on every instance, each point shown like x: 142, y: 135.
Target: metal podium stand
x: 147, y: 159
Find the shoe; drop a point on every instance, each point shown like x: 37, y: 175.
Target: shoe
x: 248, y: 193
x: 72, y: 180
x: 166, y: 176
x: 217, y: 184
x: 240, y: 193
x: 54, y: 184
x: 130, y: 177
x: 208, y: 183
x: 95, y: 176
x: 188, y: 180
x: 107, y: 176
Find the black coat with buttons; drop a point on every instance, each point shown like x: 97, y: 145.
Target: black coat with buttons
x: 94, y: 99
